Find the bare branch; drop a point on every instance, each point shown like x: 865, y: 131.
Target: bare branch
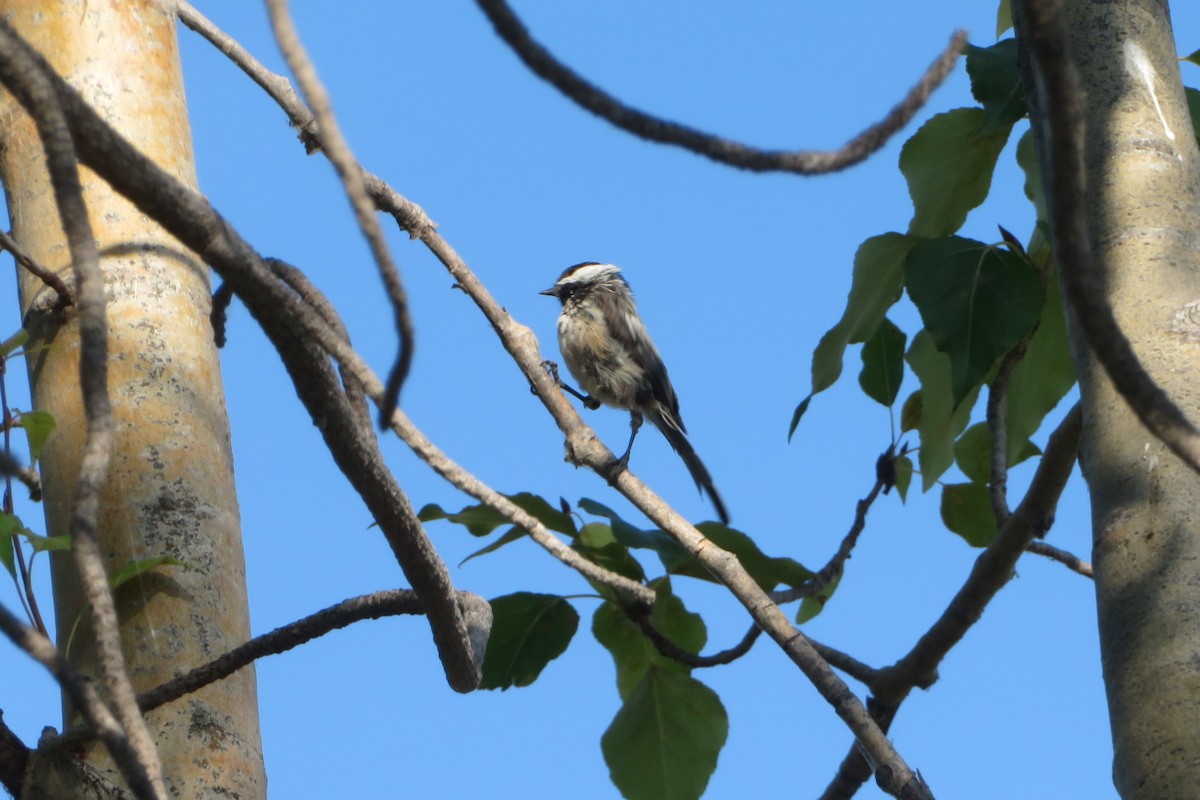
x: 1060, y: 97
x: 11, y: 467
x: 85, y: 698
x: 30, y: 84
x: 992, y: 570
x: 191, y: 219
x: 856, y: 669
x: 802, y: 162
x: 276, y: 85
x: 833, y: 569
x: 641, y: 618
x: 338, y: 151
x: 45, y: 275
x: 1069, y: 560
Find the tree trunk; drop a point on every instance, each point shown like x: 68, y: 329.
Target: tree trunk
x: 170, y: 488
x: 1143, y: 184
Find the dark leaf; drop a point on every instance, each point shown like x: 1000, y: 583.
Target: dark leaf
x: 973, y: 453
x: 967, y: 511
x: 510, y: 536
x: 812, y: 606
x: 910, y: 413
x: 528, y: 632
x: 996, y: 84
x: 664, y: 742
x: 976, y: 301
x: 883, y: 363
x: 904, y: 473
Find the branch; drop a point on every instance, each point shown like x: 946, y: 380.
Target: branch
x: 725, y: 151
x: 993, y: 569
x: 338, y: 151
x: 82, y: 694
x: 11, y: 467
x: 376, y: 605
x: 1059, y: 98
x: 189, y: 217
x: 641, y: 618
x: 14, y: 758
x: 45, y: 275
x: 30, y: 84
x: 997, y: 408
x: 292, y: 328
x: 1069, y: 560
x: 833, y: 569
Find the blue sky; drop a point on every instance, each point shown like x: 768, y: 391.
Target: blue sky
x: 737, y: 274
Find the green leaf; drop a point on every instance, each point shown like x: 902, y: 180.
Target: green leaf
x: 977, y: 302
x: 1193, y: 57
x: 10, y: 344
x: 135, y: 568
x: 1003, y: 18
x: 940, y: 422
x: 480, y: 520
x: 797, y: 414
x: 38, y: 426
x: 949, y: 165
x: 668, y: 550
x: 811, y: 606
x: 1193, y: 102
x: 904, y: 473
x: 875, y: 286
x: 996, y: 84
x: 883, y: 363
x: 510, y: 536
x: 633, y: 654
x: 46, y: 544
x: 597, y: 544
x: 1042, y: 378
x: 973, y: 453
x: 528, y: 632
x: 967, y: 511
x: 910, y: 413
x: 10, y: 524
x: 1039, y: 242
x: 664, y: 742
x: 767, y: 571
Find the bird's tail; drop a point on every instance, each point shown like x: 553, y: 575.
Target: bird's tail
x: 678, y: 440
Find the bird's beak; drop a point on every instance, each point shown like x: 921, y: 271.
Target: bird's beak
x: 552, y: 291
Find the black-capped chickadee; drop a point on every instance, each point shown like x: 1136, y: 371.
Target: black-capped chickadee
x: 609, y: 351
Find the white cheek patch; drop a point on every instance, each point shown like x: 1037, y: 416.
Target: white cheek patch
x: 1138, y: 65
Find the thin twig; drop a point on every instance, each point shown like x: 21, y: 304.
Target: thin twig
x: 997, y: 408
x: 813, y: 586
x: 31, y: 83
x: 802, y: 162
x: 1060, y: 98
x: 46, y: 276
x: 355, y: 609
x: 641, y: 617
x: 84, y: 697
x: 189, y: 217
x: 1069, y: 560
x: 337, y: 149
x: 219, y: 315
x: 848, y: 664
x: 993, y: 568
x: 276, y: 85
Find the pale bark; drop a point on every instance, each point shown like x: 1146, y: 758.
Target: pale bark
x: 1143, y: 206
x: 170, y: 488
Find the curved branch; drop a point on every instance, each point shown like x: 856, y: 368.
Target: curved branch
x: 84, y: 696
x: 44, y: 274
x: 189, y: 217
x: 833, y: 569
x: 992, y: 570
x: 641, y: 618
x: 30, y: 83
x: 1060, y: 97
x: 338, y: 151
x: 801, y: 162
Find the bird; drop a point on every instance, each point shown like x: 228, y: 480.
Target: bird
x: 610, y: 354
